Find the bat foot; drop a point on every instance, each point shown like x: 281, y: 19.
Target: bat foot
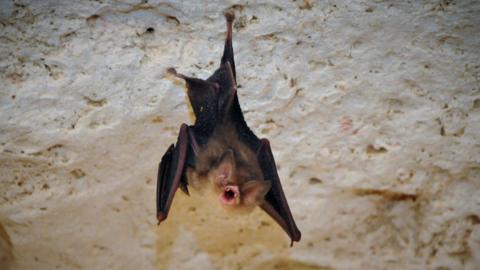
x: 229, y: 15
x: 172, y: 71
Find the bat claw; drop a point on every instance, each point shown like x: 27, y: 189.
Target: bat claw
x: 229, y: 15
x: 174, y: 72
x: 161, y: 217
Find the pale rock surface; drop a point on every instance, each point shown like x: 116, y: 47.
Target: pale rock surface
x: 372, y: 109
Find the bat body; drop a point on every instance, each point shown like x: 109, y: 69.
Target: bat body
x: 222, y: 150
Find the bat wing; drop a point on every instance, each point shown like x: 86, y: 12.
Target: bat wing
x: 275, y: 203
x: 171, y: 172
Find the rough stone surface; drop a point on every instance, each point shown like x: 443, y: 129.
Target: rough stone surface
x: 372, y: 109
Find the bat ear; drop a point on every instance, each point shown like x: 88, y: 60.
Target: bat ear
x: 254, y: 191
x: 225, y: 168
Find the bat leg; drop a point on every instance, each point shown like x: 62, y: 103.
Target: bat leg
x: 174, y: 72
x: 171, y: 173
x: 194, y: 84
x: 275, y: 203
x: 203, y: 96
x: 228, y: 49
x: 229, y: 88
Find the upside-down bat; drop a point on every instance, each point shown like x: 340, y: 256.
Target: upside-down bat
x: 221, y: 149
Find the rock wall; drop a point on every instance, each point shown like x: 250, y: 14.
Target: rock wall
x: 372, y: 109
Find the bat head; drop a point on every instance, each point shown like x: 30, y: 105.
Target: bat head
x: 232, y: 187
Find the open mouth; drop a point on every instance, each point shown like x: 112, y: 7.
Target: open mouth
x: 229, y: 195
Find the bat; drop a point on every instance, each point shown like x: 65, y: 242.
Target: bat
x: 220, y: 148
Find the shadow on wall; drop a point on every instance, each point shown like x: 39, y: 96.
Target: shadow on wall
x: 200, y: 227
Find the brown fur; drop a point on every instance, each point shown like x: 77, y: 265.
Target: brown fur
x: 244, y: 169
x: 225, y: 138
